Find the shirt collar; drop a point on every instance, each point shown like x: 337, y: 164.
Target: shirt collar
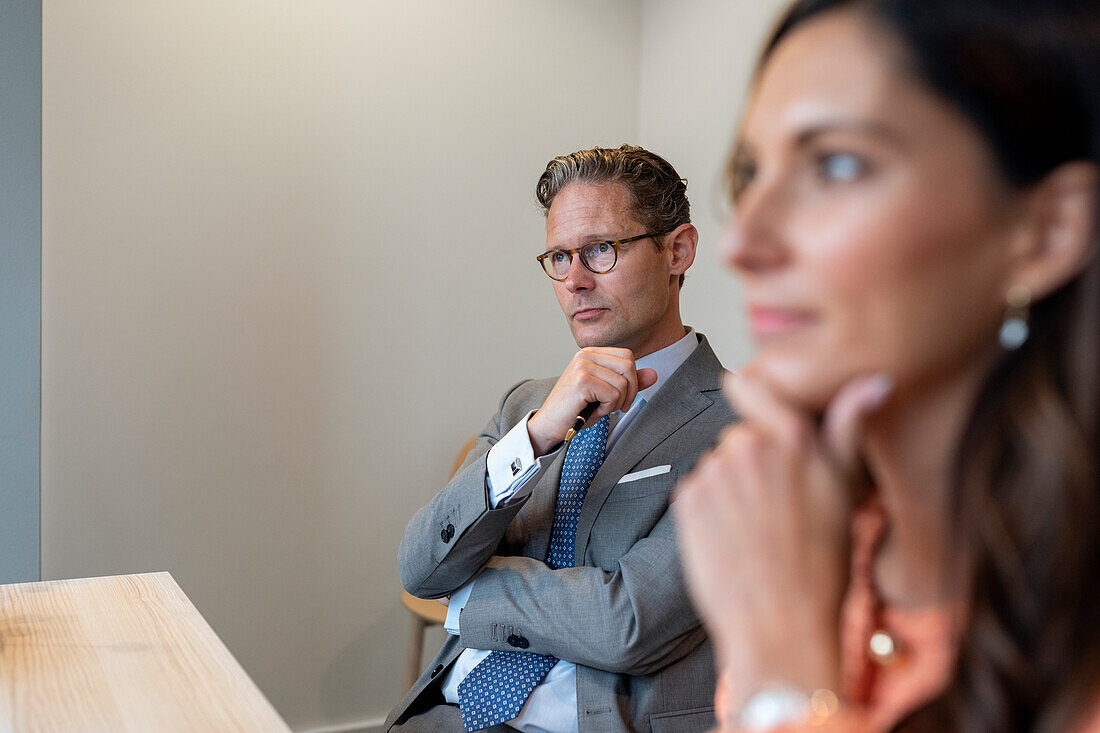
x: 665, y: 361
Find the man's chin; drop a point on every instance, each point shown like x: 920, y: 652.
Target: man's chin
x: 587, y: 335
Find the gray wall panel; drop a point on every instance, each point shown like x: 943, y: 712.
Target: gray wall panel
x: 20, y: 285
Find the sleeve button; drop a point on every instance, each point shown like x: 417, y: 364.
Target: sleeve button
x: 450, y: 531
x: 444, y: 536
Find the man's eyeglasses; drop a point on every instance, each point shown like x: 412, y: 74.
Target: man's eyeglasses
x: 597, y: 257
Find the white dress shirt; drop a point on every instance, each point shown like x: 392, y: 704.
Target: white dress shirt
x: 552, y: 706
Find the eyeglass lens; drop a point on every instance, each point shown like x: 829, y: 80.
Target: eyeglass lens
x: 598, y: 257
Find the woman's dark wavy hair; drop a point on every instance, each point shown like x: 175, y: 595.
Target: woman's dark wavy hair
x: 1026, y: 502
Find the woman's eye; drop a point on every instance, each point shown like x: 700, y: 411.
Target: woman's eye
x: 841, y: 167
x: 740, y: 173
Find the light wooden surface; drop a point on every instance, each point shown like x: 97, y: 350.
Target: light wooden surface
x: 121, y: 653
x: 433, y: 612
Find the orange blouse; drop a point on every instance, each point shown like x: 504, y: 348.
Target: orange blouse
x: 893, y: 659
x: 919, y: 652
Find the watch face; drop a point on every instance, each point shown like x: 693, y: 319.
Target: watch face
x: 773, y: 707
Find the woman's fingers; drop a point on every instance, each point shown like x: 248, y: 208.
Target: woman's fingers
x: 846, y: 417
x: 764, y: 523
x: 759, y: 405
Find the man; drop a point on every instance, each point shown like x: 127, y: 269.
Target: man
x: 566, y: 601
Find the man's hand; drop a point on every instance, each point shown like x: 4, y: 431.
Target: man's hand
x: 595, y: 374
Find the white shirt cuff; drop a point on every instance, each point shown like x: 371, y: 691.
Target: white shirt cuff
x: 455, y: 606
x: 511, y: 466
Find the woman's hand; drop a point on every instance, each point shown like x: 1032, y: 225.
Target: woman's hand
x: 764, y: 526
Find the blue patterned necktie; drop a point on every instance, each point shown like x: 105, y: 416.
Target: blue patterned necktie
x: 496, y: 689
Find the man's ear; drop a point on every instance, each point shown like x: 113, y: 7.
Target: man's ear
x: 1058, y: 234
x: 681, y: 244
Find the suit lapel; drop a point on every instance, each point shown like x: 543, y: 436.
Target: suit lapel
x: 679, y: 400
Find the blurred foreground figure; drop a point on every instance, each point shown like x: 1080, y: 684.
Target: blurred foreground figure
x: 903, y: 532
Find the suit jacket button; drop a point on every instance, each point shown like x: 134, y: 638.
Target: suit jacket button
x: 436, y: 671
x: 512, y: 640
x: 444, y: 536
x: 450, y: 531
x: 518, y: 641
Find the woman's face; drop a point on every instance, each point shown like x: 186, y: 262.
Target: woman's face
x: 871, y: 228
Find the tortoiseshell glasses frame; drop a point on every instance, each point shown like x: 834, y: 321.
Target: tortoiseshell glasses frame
x: 598, y: 257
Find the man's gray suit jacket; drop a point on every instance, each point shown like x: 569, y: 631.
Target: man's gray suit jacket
x: 622, y: 615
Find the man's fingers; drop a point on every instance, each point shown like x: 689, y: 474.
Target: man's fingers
x: 608, y: 387
x: 847, y: 414
x: 612, y: 366
x: 608, y: 376
x: 617, y: 360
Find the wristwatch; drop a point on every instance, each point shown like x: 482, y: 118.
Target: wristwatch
x: 778, y: 705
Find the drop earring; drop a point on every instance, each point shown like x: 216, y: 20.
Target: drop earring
x: 1015, y: 329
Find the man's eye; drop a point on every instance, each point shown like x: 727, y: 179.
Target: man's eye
x: 595, y: 249
x: 557, y: 257
x: 841, y: 167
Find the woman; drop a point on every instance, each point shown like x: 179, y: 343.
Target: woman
x: 903, y: 531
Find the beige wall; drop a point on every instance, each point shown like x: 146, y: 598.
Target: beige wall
x: 288, y: 268
x: 695, y: 71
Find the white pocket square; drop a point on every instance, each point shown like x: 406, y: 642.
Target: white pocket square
x: 646, y: 473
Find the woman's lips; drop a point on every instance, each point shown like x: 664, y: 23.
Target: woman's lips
x: 767, y: 321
